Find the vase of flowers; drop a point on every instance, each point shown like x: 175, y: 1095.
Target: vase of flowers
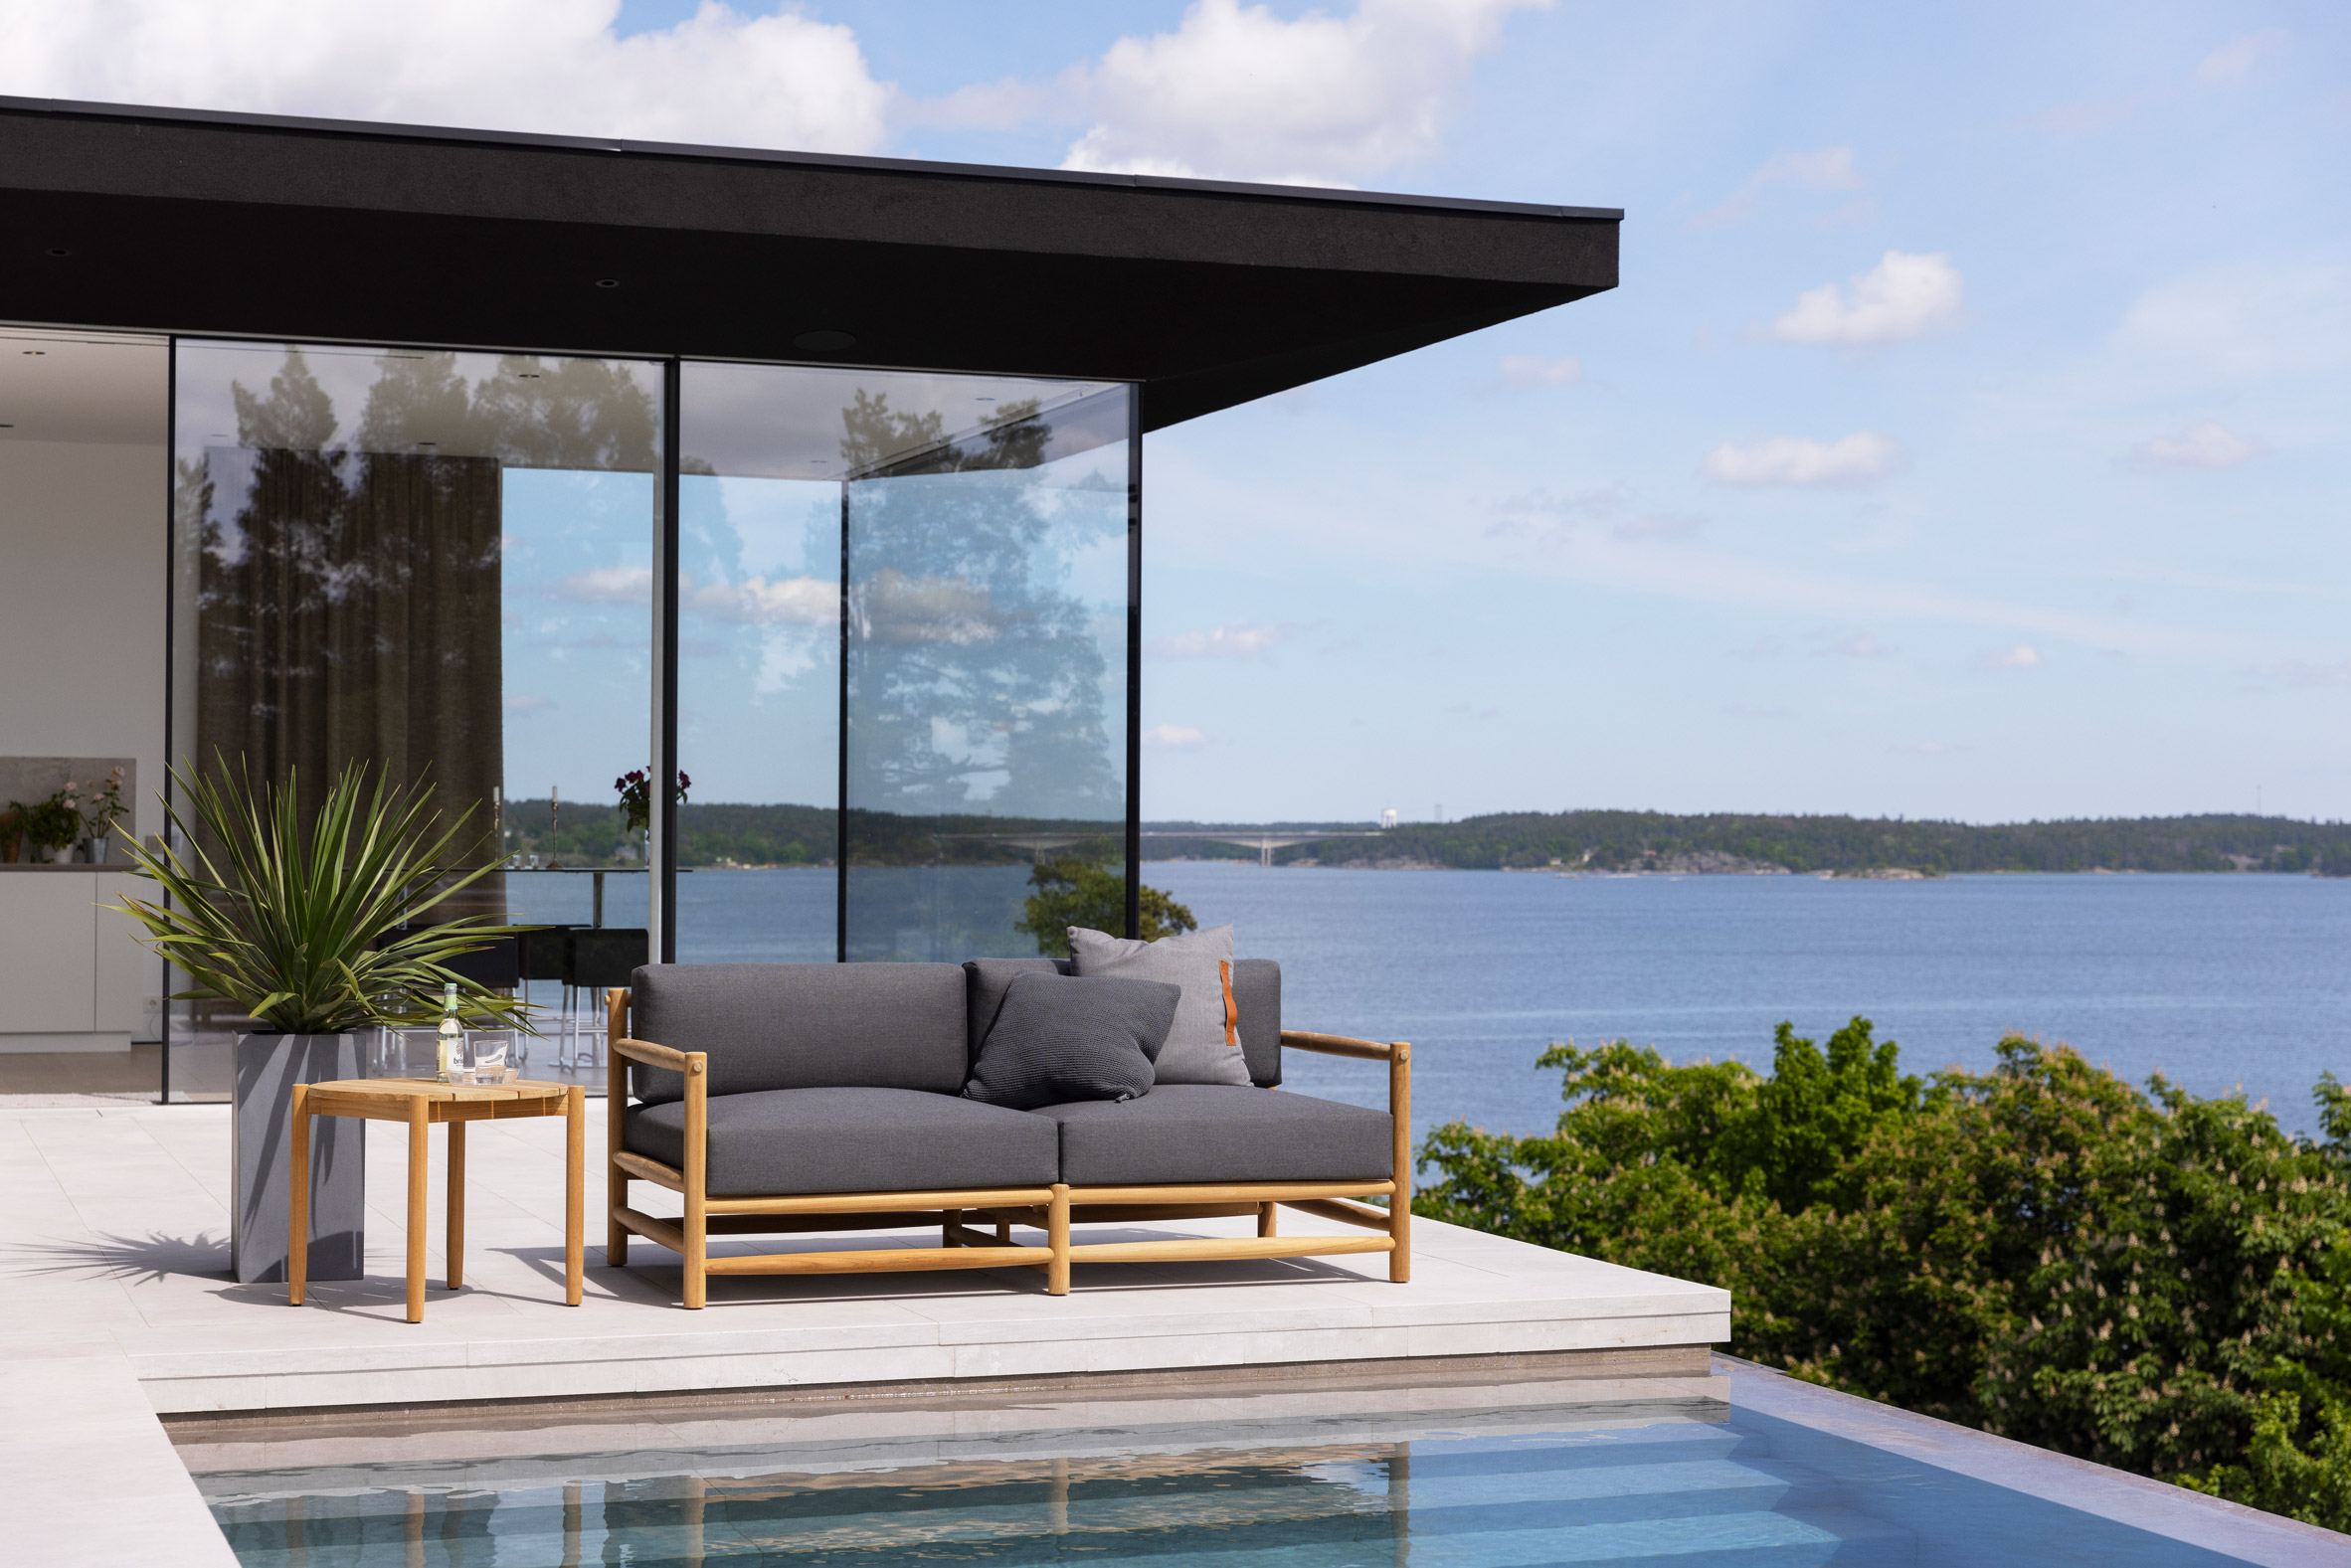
x: 49, y: 827
x: 635, y: 788
x: 101, y: 811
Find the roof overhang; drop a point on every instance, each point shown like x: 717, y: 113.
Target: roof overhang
x: 1208, y: 293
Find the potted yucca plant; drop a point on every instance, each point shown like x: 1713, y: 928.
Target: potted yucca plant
x: 306, y: 923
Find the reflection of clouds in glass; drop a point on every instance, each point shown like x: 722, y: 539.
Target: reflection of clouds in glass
x: 759, y: 600
x: 608, y: 585
x: 783, y: 657
x: 899, y: 608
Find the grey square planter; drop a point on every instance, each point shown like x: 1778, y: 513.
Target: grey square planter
x: 261, y: 1158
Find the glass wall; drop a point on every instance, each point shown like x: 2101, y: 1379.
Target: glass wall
x: 981, y: 667
x: 985, y: 646
x: 435, y: 564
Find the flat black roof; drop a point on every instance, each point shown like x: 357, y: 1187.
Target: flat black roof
x: 1209, y: 294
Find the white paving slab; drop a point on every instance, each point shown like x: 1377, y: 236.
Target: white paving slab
x: 115, y: 1245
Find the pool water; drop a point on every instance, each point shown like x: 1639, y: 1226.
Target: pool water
x: 1688, y: 1480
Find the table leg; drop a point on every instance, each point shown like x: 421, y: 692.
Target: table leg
x: 298, y: 1215
x: 575, y: 1193
x: 456, y: 1204
x: 419, y: 1123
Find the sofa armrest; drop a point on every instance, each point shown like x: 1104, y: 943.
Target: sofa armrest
x: 1340, y: 1045
x: 691, y: 1063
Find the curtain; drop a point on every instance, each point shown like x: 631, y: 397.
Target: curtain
x: 350, y: 612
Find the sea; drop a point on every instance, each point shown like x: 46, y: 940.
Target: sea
x: 2223, y: 984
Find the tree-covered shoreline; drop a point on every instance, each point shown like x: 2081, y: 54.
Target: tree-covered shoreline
x: 1618, y: 842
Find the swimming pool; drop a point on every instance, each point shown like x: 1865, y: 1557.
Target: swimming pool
x: 1760, y: 1469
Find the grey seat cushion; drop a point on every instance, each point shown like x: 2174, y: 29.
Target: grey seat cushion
x: 794, y: 1140
x: 803, y: 1025
x: 1059, y: 1038
x: 1214, y: 1132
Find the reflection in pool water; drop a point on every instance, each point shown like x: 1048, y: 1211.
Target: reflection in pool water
x: 1498, y: 1485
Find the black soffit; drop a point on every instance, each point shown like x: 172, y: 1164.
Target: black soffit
x: 1208, y: 293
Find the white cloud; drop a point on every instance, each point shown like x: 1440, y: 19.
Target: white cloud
x: 1239, y: 92
x: 2206, y: 445
x: 1827, y: 170
x: 797, y: 601
x: 609, y: 585
x: 519, y: 702
x: 2227, y: 65
x: 2023, y: 656
x: 780, y: 80
x: 1793, y: 459
x: 1174, y: 735
x: 1863, y: 646
x: 1901, y: 297
x: 1233, y: 639
x: 1528, y: 370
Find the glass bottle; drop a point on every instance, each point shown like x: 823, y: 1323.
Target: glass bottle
x: 452, y: 1053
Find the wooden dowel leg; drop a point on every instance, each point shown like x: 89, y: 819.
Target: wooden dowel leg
x: 1057, y: 1238
x: 1399, y: 1205
x: 947, y: 1227
x: 1003, y: 1229
x: 1267, y: 1223
x: 575, y: 1194
x: 419, y: 1123
x: 298, y: 1215
x: 456, y: 1204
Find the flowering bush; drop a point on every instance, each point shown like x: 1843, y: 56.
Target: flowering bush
x: 53, y: 823
x: 636, y: 795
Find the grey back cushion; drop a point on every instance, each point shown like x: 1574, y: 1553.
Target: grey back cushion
x: 1058, y: 1038
x: 803, y: 1025
x: 1257, y: 1007
x: 984, y: 982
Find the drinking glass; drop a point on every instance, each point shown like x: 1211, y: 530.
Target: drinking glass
x: 486, y: 1053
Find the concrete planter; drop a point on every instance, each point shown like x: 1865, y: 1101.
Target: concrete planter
x: 260, y: 1160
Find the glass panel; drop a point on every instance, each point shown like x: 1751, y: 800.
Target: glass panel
x: 436, y: 563
x: 759, y: 663
x: 986, y: 648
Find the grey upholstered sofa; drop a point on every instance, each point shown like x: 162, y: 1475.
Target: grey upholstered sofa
x: 783, y: 1098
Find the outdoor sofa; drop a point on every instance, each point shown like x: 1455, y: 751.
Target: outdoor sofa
x: 828, y: 1097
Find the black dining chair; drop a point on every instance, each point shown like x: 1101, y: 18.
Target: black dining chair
x: 601, y: 956
x: 545, y: 954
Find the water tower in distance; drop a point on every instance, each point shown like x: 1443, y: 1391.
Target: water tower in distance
x: 1387, y: 818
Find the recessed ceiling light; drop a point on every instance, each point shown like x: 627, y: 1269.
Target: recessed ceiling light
x: 7, y: 427
x: 35, y: 352
x: 607, y: 282
x: 59, y: 250
x: 824, y: 341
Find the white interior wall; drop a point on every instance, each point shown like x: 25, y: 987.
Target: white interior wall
x: 83, y: 577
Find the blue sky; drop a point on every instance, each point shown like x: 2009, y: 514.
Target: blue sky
x: 1967, y: 437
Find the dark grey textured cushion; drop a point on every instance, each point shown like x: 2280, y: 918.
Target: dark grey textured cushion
x: 803, y: 1025
x: 985, y: 980
x: 1213, y: 1133
x: 1059, y: 1038
x: 791, y: 1141
x: 1257, y: 1009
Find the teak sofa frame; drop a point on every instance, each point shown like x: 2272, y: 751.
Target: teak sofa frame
x: 1052, y: 1210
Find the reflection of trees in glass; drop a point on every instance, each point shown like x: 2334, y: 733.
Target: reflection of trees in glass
x: 349, y: 611
x: 975, y: 680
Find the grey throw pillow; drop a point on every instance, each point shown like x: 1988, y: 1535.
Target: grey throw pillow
x: 1058, y: 1038
x: 1204, y: 1046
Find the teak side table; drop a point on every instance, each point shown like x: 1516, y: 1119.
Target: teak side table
x: 421, y: 1101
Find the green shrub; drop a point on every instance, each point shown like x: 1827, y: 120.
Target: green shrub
x: 2148, y: 1279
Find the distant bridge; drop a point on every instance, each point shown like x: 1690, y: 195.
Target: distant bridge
x: 1039, y: 845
